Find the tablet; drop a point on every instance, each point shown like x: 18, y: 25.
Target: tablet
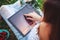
x: 18, y: 19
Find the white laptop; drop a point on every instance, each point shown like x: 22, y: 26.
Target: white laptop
x: 18, y: 19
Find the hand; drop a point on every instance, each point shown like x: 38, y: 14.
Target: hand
x: 33, y: 16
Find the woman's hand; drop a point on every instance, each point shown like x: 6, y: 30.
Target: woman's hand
x: 33, y: 16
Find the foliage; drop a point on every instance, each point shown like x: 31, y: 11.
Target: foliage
x: 4, y: 2
x: 40, y: 3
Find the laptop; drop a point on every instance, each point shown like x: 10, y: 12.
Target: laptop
x: 18, y: 20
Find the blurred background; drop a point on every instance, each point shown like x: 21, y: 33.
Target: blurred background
x: 3, y: 24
